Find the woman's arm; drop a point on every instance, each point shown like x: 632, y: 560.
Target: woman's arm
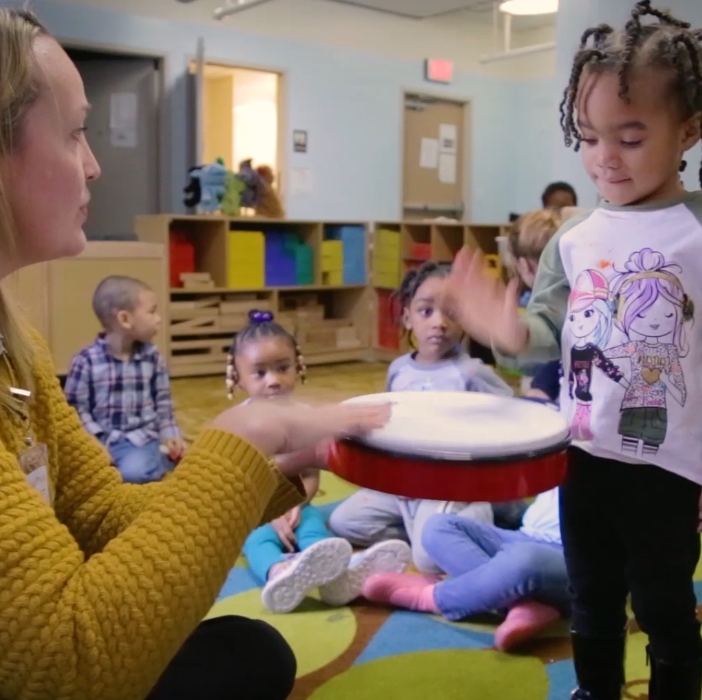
x: 79, y: 627
x: 91, y: 499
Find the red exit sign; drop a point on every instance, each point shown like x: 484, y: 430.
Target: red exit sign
x: 437, y: 70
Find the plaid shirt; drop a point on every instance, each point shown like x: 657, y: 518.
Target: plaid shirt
x: 116, y: 398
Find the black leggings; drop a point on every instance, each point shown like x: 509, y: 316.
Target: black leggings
x: 230, y: 658
x: 632, y: 528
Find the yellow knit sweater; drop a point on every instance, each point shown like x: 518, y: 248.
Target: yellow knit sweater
x: 98, y: 593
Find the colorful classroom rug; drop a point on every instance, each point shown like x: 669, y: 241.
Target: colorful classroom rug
x: 398, y: 655
x: 361, y: 652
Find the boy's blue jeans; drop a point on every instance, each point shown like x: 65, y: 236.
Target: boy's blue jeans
x: 263, y: 547
x: 139, y: 465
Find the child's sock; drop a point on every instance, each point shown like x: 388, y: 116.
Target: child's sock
x: 388, y: 556
x: 523, y: 622
x: 290, y: 580
x: 403, y: 591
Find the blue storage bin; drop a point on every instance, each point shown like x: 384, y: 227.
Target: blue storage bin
x: 354, y: 249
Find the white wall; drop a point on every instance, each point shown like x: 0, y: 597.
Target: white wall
x: 460, y: 37
x: 345, y: 70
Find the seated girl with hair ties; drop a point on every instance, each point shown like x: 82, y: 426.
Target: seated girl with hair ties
x: 296, y: 553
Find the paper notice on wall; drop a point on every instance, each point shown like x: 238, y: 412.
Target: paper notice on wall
x: 448, y: 138
x: 429, y: 154
x: 301, y: 181
x: 124, y: 111
x: 447, y: 168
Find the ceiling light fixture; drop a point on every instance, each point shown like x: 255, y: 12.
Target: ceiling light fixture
x: 529, y: 7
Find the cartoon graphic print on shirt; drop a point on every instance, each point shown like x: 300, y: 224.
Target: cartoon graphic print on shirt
x: 589, y: 324
x: 652, y: 311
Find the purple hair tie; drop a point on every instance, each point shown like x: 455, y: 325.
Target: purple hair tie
x: 257, y: 317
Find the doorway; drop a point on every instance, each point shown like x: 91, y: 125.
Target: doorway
x: 124, y: 132
x: 436, y: 156
x: 237, y: 116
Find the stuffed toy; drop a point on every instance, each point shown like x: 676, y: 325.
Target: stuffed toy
x: 231, y: 202
x: 206, y: 187
x: 268, y: 203
x: 252, y: 183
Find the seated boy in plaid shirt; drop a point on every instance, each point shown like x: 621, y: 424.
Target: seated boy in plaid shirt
x: 120, y: 387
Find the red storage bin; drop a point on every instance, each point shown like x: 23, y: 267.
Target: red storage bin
x: 388, y: 308
x: 182, y: 256
x: 420, y: 251
x: 389, y: 338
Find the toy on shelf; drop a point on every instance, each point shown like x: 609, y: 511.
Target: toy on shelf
x: 268, y: 203
x: 206, y: 187
x: 258, y: 192
x: 233, y: 189
x: 196, y: 280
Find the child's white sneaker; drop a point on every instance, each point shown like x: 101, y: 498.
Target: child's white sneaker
x: 391, y: 556
x: 317, y: 565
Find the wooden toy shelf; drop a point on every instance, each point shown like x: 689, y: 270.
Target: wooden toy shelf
x: 329, y: 283
x: 312, y: 275
x: 397, y: 247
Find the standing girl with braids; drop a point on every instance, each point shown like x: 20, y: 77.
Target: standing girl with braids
x: 294, y: 553
x: 629, y: 518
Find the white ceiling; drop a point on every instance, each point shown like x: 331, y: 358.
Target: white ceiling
x: 477, y: 10
x: 421, y: 9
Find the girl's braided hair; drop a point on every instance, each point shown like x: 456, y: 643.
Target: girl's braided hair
x: 260, y: 325
x: 667, y: 44
x: 411, y: 283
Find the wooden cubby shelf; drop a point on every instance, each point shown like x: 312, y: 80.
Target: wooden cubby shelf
x: 329, y: 283
x: 399, y: 247
x: 312, y: 275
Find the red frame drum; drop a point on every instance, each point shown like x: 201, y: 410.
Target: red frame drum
x: 458, y: 446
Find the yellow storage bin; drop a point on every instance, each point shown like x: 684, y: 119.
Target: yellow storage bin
x: 333, y: 278
x: 386, y: 265
x: 387, y: 240
x: 246, y: 246
x: 246, y: 275
x: 332, y: 256
x: 389, y: 280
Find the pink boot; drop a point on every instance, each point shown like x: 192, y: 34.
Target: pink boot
x: 523, y: 622
x: 401, y: 590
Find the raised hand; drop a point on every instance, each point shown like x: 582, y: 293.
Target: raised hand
x: 483, y: 305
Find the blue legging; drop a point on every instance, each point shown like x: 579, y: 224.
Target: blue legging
x: 263, y: 548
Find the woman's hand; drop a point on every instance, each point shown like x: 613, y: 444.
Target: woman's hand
x: 483, y: 306
x: 293, y: 432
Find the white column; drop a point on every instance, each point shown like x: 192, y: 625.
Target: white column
x: 574, y: 17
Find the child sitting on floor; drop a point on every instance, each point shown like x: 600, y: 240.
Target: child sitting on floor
x: 437, y: 364
x: 296, y: 553
x: 520, y: 574
x: 119, y: 385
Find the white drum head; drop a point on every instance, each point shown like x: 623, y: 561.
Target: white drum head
x: 464, y: 425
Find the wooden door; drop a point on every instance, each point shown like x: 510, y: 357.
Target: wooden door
x: 434, y: 150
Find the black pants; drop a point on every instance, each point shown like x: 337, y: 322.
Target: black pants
x: 632, y: 528
x: 230, y: 658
